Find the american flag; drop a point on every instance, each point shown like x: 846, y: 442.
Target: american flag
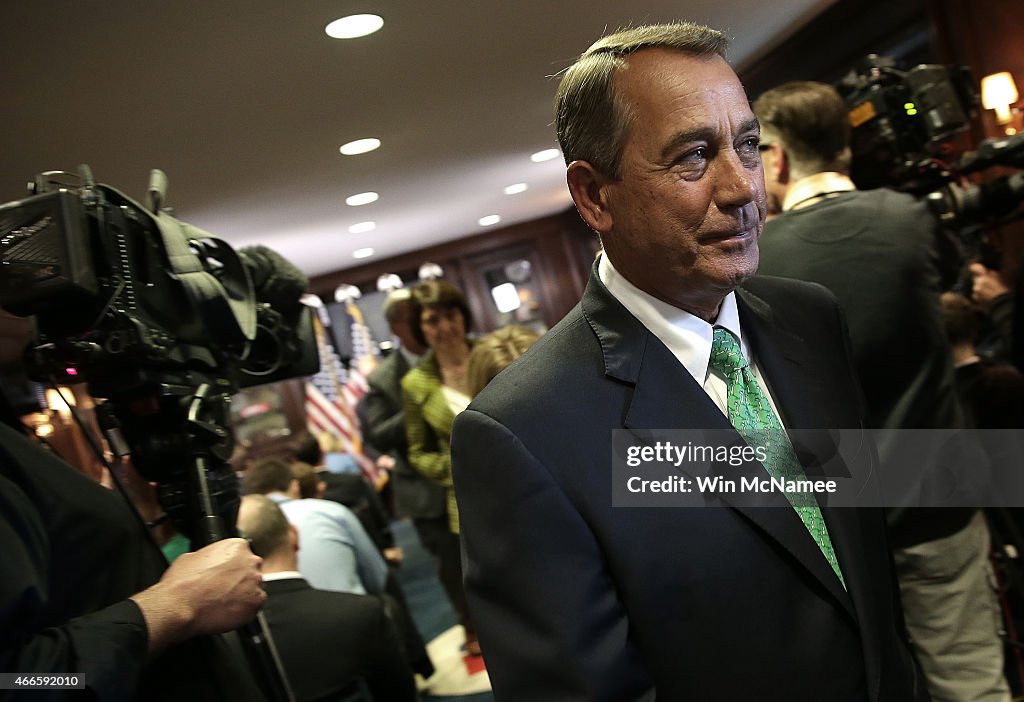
x: 332, y: 395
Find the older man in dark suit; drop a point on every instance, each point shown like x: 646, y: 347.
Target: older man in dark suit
x: 383, y: 423
x: 579, y: 600
x: 329, y: 642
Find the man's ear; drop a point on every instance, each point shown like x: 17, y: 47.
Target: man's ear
x: 588, y: 188
x: 780, y: 166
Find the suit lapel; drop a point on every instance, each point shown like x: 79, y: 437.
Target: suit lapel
x: 666, y: 396
x: 799, y: 395
x: 783, y: 357
x: 779, y: 353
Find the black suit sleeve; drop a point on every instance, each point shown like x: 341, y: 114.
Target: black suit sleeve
x: 550, y: 622
x: 108, y: 646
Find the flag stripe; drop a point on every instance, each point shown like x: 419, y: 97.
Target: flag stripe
x: 334, y: 391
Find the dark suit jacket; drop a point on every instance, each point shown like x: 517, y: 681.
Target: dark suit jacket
x: 577, y: 600
x: 383, y: 421
x: 885, y: 258
x: 326, y: 639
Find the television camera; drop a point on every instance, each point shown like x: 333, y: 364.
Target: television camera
x: 904, y: 129
x: 164, y: 322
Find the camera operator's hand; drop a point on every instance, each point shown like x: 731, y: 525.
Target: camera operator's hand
x: 215, y: 589
x: 986, y: 286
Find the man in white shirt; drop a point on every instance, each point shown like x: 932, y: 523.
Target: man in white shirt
x: 337, y: 553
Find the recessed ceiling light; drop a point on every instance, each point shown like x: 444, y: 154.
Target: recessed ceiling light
x: 363, y: 253
x: 359, y: 146
x: 488, y: 220
x: 545, y: 155
x: 354, y: 26
x: 361, y: 199
x: 363, y: 227
x: 515, y: 189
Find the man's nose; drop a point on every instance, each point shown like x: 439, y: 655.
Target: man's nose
x: 736, y: 185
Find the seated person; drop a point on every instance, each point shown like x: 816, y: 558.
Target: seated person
x: 311, y: 486
x: 351, y: 489
x: 337, y: 555
x: 326, y: 640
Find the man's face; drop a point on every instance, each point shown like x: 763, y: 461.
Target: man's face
x: 683, y: 221
x: 402, y: 328
x: 771, y: 155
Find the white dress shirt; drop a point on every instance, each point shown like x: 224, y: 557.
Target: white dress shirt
x: 687, y: 336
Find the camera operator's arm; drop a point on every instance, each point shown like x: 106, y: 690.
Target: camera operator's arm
x: 74, y: 558
x: 210, y: 591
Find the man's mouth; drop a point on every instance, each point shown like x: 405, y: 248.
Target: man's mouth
x: 730, y: 235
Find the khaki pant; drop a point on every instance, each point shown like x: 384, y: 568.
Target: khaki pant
x: 949, y: 600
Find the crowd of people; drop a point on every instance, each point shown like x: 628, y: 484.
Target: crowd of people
x: 745, y: 287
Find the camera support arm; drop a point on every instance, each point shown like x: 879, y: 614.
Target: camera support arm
x: 210, y: 526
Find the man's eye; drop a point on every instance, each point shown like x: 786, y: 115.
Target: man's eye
x: 696, y: 155
x: 750, y: 144
x: 748, y: 151
x: 693, y: 158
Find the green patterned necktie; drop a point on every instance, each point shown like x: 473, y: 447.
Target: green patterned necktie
x: 752, y: 416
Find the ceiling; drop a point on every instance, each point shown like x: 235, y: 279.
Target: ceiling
x: 244, y: 105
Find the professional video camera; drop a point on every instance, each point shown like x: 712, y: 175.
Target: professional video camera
x: 905, y: 124
x: 162, y: 320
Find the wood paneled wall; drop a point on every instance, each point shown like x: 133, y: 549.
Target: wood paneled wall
x: 561, y: 246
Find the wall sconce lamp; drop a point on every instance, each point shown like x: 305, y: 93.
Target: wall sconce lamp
x: 347, y: 293
x: 430, y: 271
x: 389, y: 282
x: 999, y: 93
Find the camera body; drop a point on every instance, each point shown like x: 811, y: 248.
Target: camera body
x: 902, y: 121
x: 904, y: 126
x: 113, y: 287
x: 163, y: 321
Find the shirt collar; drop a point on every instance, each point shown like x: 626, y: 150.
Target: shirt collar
x: 687, y: 336
x: 282, y: 575
x: 824, y: 183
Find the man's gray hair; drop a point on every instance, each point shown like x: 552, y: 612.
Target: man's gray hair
x: 590, y: 121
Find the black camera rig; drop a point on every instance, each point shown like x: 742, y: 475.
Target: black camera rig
x: 164, y: 322
x: 904, y: 126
